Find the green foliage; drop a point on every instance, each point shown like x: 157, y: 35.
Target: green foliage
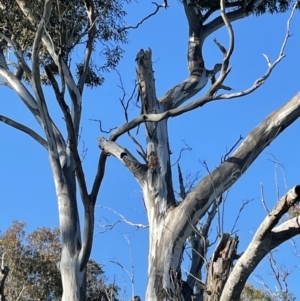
x: 69, y: 28
x: 267, y: 6
x: 250, y: 293
x: 32, y: 259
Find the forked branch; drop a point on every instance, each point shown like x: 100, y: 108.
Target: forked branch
x: 223, y: 177
x: 111, y: 148
x: 265, y: 239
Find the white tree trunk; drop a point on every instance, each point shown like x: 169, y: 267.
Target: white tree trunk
x: 73, y: 280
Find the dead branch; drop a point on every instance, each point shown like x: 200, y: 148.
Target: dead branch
x: 186, y: 148
x: 265, y: 239
x: 225, y: 157
x: 244, y: 204
x: 158, y: 7
x: 109, y: 147
x: 100, y: 126
x: 124, y: 220
x: 271, y: 66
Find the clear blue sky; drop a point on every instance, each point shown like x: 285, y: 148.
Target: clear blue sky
x: 27, y: 190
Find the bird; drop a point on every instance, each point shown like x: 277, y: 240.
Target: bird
x: 140, y: 55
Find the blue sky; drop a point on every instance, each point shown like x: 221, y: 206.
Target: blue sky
x: 27, y: 190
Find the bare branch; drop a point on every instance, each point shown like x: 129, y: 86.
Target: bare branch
x: 225, y: 157
x: 41, y: 102
x: 265, y: 239
x: 244, y: 204
x: 263, y: 198
x: 181, y: 185
x: 21, y: 90
x: 243, y: 12
x: 217, y: 7
x: 88, y: 205
x: 124, y: 220
x: 90, y: 10
x: 100, y: 126
x: 227, y: 54
x: 109, y: 147
x: 263, y: 78
x: 158, y: 7
x: 223, y: 177
x: 25, y: 129
x: 186, y: 148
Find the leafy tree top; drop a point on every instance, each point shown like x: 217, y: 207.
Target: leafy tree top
x: 266, y: 6
x: 69, y: 26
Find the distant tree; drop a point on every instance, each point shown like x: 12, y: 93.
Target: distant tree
x: 40, y: 37
x: 251, y: 293
x: 32, y: 259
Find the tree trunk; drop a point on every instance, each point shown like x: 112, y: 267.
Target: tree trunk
x: 73, y: 279
x: 165, y: 250
x: 219, y: 267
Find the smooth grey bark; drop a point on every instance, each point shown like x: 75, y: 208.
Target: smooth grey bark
x: 64, y: 158
x: 266, y: 238
x: 172, y: 223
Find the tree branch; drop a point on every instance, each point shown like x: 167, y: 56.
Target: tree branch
x: 217, y: 7
x: 22, y: 65
x: 223, y: 177
x: 74, y: 92
x: 138, y: 169
x: 21, y: 90
x: 158, y: 7
x: 15, y: 84
x: 265, y: 239
x: 90, y: 10
x: 36, y: 82
x: 72, y: 143
x: 37, y: 88
x: 218, y: 22
x: 25, y: 129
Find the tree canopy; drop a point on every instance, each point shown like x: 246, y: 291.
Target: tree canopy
x: 68, y: 26
x: 34, y: 275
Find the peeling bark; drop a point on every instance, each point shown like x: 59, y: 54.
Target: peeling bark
x: 220, y: 266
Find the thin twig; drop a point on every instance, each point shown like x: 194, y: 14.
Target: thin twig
x: 263, y: 198
x: 100, y: 125
x: 158, y: 7
x: 187, y: 147
x: 244, y: 204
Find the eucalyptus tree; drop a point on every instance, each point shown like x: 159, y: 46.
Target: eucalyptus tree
x: 37, y: 42
x: 41, y: 37
x: 175, y: 223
